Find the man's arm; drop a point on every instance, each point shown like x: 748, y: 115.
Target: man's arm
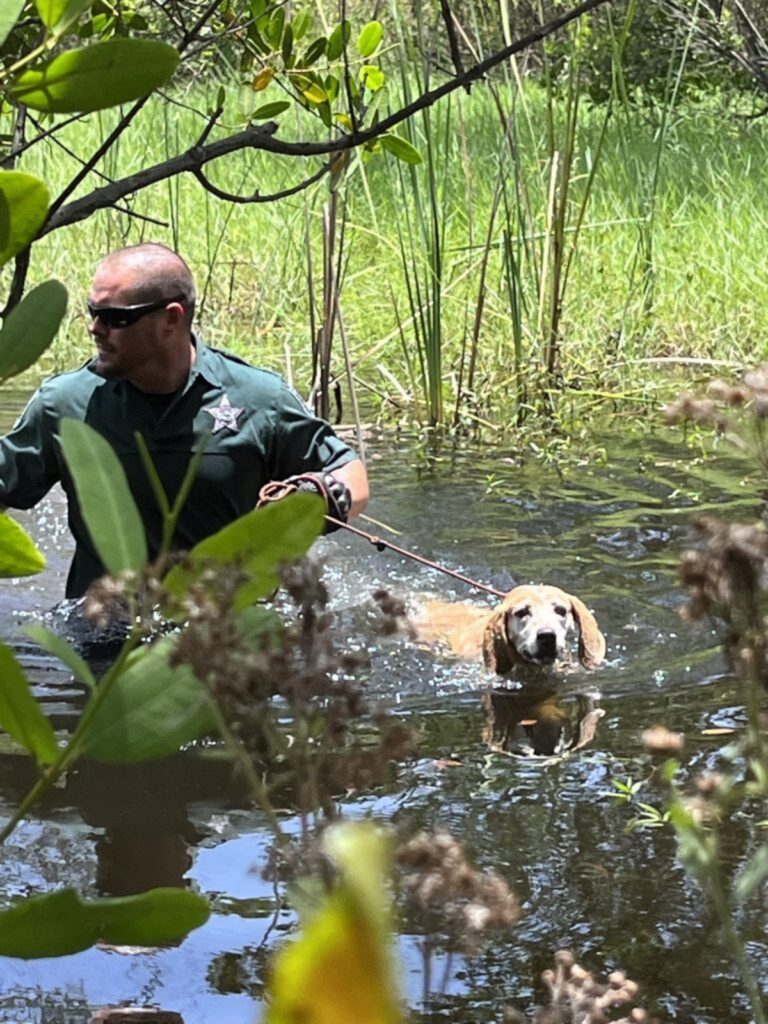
x: 355, y: 478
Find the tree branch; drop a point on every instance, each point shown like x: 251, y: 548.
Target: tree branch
x: 262, y: 136
x: 257, y: 197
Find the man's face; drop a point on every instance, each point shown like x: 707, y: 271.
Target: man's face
x: 123, y: 351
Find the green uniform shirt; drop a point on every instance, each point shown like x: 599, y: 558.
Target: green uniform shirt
x: 258, y: 430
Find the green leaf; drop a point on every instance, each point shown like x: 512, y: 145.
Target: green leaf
x: 287, y: 46
x: 274, y: 29
x: 30, y: 327
x: 302, y: 23
x: 97, y: 76
x: 258, y: 543
x: 53, y: 12
x: 270, y: 110
x: 24, y: 202
x: 753, y: 875
x: 372, y: 77
x: 369, y: 38
x: 152, y: 710
x: 9, y: 15
x: 18, y: 554
x: 315, y: 51
x: 61, y: 922
x: 401, y: 149
x: 59, y: 648
x: 105, y: 499
x: 337, y: 40
x: 20, y: 714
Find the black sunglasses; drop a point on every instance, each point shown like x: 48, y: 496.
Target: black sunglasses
x: 124, y: 316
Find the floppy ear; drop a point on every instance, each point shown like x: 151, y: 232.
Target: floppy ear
x: 497, y: 650
x: 591, y: 640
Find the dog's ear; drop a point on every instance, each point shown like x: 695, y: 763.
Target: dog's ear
x: 591, y: 640
x: 497, y: 650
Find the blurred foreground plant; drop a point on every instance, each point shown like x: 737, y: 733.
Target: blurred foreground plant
x: 726, y: 576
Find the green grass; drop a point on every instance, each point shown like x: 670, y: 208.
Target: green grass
x: 710, y: 233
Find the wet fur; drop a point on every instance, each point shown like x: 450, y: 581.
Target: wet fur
x: 525, y: 635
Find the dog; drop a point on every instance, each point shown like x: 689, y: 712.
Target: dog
x: 524, y: 638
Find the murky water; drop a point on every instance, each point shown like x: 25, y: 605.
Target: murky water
x: 610, y: 533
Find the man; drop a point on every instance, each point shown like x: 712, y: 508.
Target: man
x: 151, y: 375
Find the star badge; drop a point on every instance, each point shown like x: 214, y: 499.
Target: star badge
x: 224, y: 415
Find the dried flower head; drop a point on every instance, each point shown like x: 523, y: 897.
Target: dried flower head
x: 463, y: 904
x: 576, y: 997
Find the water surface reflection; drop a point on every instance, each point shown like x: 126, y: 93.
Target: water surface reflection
x: 610, y: 533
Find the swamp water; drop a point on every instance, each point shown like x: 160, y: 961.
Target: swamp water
x: 613, y: 535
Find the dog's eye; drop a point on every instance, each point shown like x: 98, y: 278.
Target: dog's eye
x: 522, y: 613
x: 561, y: 610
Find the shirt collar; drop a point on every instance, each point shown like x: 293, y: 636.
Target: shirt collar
x: 205, y: 365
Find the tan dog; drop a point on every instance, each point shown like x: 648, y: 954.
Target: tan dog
x: 528, y: 631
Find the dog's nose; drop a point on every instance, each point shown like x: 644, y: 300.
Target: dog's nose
x: 546, y: 644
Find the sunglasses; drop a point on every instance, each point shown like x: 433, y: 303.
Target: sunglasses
x: 124, y: 316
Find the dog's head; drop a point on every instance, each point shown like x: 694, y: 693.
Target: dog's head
x: 532, y: 625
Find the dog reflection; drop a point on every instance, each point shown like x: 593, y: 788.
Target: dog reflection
x: 534, y: 721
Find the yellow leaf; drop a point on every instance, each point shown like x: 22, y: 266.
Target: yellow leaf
x: 340, y: 970
x: 262, y: 80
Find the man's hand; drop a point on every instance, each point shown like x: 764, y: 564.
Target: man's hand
x: 336, y: 495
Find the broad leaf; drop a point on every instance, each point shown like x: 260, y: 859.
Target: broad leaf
x: 9, y: 15
x: 105, y: 499
x: 59, y: 648
x: 270, y: 110
x: 24, y: 202
x: 337, y: 40
x: 401, y: 149
x: 151, y: 711
x: 339, y: 971
x: 369, y: 38
x: 372, y: 77
x: 30, y: 327
x: 20, y: 714
x: 61, y: 13
x: 61, y: 922
x: 98, y: 76
x: 18, y: 554
x: 258, y: 543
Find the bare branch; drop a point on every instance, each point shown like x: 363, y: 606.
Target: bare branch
x: 258, y: 197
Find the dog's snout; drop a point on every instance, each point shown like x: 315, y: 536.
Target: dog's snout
x: 546, y: 644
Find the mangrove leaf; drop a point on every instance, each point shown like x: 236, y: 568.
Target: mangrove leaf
x: 18, y: 554
x: 60, y: 923
x: 9, y: 15
x: 106, y: 501
x: 401, y: 149
x: 369, y: 38
x: 59, y: 648
x: 337, y: 40
x: 24, y: 202
x: 20, y: 714
x: 258, y: 544
x: 60, y: 12
x: 97, y: 76
x: 30, y: 327
x: 153, y: 709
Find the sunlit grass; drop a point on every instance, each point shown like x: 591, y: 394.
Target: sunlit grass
x: 710, y: 299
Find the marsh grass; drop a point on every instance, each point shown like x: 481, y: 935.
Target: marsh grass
x: 710, y: 229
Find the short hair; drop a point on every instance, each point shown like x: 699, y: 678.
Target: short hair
x: 154, y: 272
